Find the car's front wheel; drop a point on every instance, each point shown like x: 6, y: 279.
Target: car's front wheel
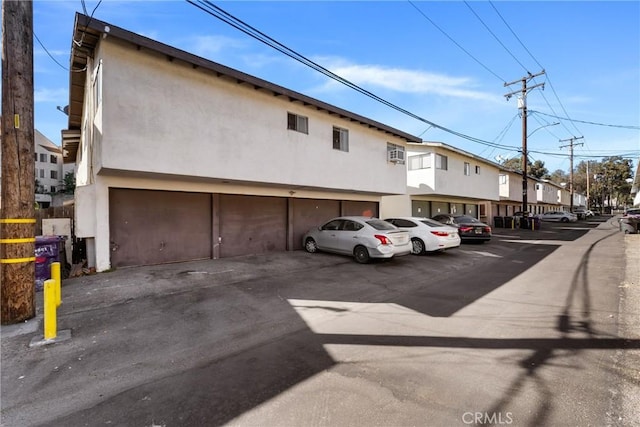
x: 361, y: 254
x: 565, y: 219
x: 311, y: 246
x: 417, y: 247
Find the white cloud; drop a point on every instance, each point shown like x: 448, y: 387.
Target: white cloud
x: 405, y: 80
x: 207, y: 46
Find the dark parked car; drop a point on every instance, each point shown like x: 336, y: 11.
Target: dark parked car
x: 469, y: 228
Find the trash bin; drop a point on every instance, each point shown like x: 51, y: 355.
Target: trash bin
x: 498, y: 222
x: 509, y: 222
x: 49, y: 249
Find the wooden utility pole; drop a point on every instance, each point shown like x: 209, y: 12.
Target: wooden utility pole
x: 522, y: 104
x: 17, y: 211
x: 571, y: 145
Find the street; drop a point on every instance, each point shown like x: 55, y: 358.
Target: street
x: 535, y: 328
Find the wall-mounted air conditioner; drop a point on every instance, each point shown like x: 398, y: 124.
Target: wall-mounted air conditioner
x: 395, y: 156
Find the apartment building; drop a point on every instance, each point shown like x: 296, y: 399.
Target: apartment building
x: 181, y: 158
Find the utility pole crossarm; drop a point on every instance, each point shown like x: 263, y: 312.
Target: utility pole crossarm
x: 571, y: 145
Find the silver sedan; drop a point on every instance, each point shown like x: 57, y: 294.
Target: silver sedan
x: 427, y: 235
x: 358, y: 236
x: 559, y: 216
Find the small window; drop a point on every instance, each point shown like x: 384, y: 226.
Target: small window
x: 477, y: 170
x: 298, y: 123
x: 36, y: 154
x: 43, y: 158
x: 441, y: 162
x: 53, y: 189
x: 53, y: 159
x: 467, y: 169
x: 422, y: 161
x: 54, y: 174
x: 340, y: 139
x: 41, y: 173
x: 503, y: 179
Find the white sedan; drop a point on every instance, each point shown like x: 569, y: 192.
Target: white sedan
x: 559, y: 216
x: 427, y: 235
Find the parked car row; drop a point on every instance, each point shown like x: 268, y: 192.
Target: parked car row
x: 365, y: 237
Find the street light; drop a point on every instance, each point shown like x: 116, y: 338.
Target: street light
x: 542, y: 127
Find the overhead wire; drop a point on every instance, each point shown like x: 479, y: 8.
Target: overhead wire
x: 455, y: 42
x: 540, y: 65
x: 48, y: 53
x: 496, y: 37
x: 235, y: 22
x: 219, y: 13
x: 632, y: 127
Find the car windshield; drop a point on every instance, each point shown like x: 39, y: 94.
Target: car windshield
x: 465, y: 218
x: 379, y: 224
x: 431, y: 223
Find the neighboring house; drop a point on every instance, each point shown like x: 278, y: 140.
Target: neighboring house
x: 49, y: 169
x: 552, y: 196
x: 510, y: 187
x: 445, y: 179
x: 180, y: 158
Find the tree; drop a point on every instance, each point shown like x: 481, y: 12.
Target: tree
x: 514, y: 163
x: 609, y: 179
x: 559, y: 176
x: 69, y: 183
x: 537, y: 169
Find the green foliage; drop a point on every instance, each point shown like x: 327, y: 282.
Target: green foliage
x: 69, y: 183
x: 535, y: 169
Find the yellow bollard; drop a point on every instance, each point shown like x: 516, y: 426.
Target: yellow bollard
x: 55, y: 275
x: 50, y: 326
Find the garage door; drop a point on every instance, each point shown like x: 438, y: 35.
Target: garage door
x: 421, y: 208
x: 309, y: 213
x: 252, y: 224
x: 155, y: 227
x: 359, y: 208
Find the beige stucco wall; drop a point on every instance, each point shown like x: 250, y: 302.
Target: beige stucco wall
x: 167, y: 117
x: 453, y: 182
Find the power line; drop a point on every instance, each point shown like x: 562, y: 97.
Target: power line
x: 229, y: 19
x: 455, y: 42
x: 50, y: 56
x: 540, y: 65
x: 496, y: 37
x: 589, y: 123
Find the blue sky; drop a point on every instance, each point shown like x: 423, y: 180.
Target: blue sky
x: 445, y: 62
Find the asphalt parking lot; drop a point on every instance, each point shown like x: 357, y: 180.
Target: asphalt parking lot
x: 290, y: 339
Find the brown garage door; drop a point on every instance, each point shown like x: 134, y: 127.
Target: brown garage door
x: 309, y: 213
x: 155, y: 227
x: 252, y: 224
x: 359, y: 208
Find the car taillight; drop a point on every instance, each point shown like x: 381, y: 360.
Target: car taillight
x: 440, y: 233
x: 383, y: 239
x: 487, y: 229
x: 465, y: 228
